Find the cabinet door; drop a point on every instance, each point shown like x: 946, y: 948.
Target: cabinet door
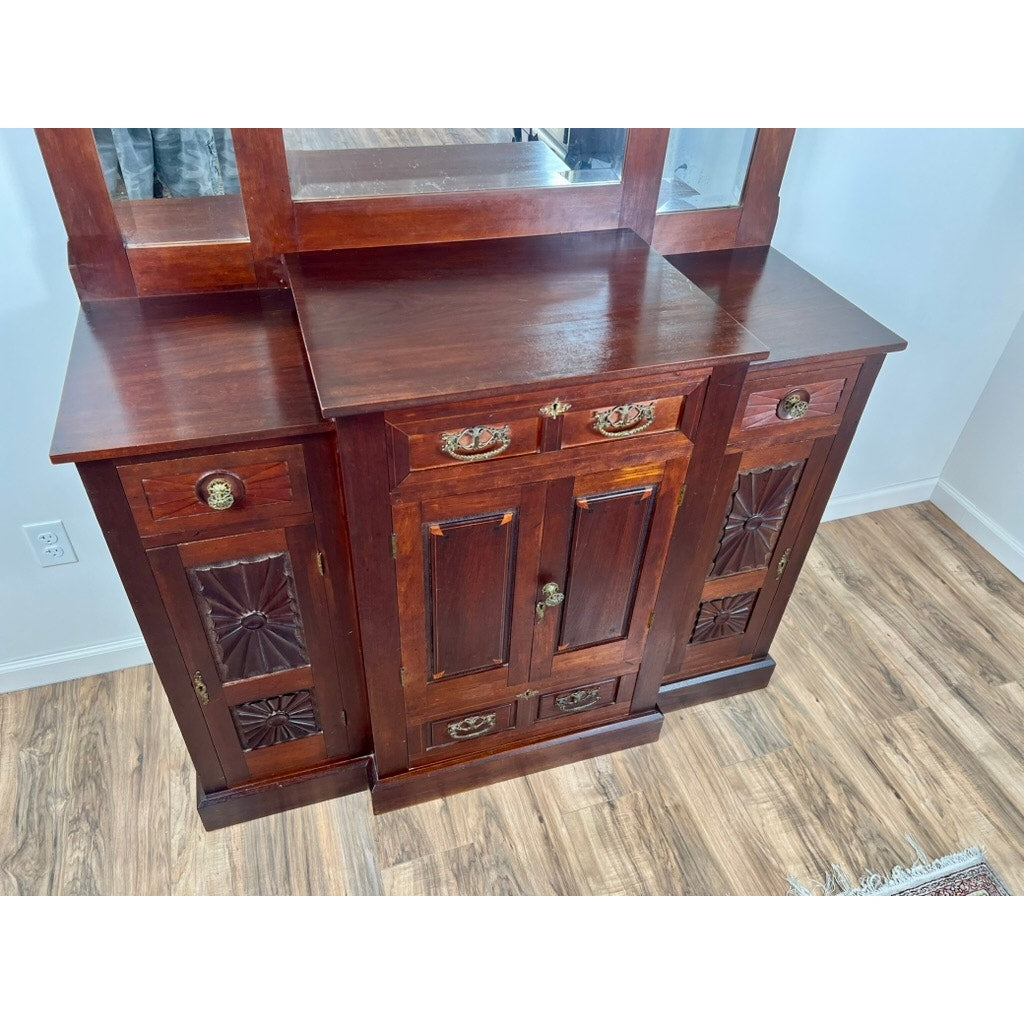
x: 466, y: 568
x: 250, y: 613
x: 770, y: 490
x: 605, y: 541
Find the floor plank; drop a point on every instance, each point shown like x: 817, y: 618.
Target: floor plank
x: 897, y: 708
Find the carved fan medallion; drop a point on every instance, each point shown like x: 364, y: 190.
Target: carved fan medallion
x: 727, y: 616
x: 756, y: 514
x: 251, y: 615
x: 273, y: 720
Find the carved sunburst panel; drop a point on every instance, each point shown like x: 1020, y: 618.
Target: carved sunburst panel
x: 273, y: 720
x: 756, y: 514
x: 251, y: 614
x: 726, y: 616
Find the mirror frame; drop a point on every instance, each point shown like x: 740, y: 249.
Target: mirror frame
x: 102, y: 266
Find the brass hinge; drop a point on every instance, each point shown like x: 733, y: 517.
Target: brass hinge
x: 650, y: 621
x: 200, y: 687
x: 394, y: 546
x: 344, y: 717
x: 682, y: 496
x: 321, y: 563
x: 783, y: 562
x: 403, y: 676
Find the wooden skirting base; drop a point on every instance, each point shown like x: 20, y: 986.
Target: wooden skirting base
x: 685, y: 693
x: 257, y: 799
x: 432, y: 783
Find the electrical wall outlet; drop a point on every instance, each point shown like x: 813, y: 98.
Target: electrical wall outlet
x: 50, y: 543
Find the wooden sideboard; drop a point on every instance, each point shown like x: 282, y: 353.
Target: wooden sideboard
x: 445, y: 514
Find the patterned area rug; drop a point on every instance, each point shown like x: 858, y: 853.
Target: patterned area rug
x: 959, y: 874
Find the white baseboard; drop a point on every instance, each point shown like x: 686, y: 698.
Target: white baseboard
x: 988, y: 533
x: 85, y: 661
x: 885, y: 497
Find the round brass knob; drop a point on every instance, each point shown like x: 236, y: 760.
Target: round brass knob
x: 220, y: 489
x: 794, y: 405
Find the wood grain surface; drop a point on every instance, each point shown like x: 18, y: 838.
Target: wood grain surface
x: 401, y: 326
x: 189, y: 370
x: 787, y: 309
x: 897, y: 707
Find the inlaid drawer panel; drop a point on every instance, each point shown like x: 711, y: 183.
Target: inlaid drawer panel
x: 620, y: 420
x: 794, y: 402
x: 567, y: 703
x: 631, y: 416
x: 230, y: 488
x: 463, y: 729
x: 464, y: 435
x: 624, y: 414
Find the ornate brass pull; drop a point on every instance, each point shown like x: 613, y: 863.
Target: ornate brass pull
x: 578, y: 700
x: 470, y: 728
x: 476, y: 443
x: 200, y: 687
x: 552, y: 597
x: 794, y: 405
x: 555, y: 409
x: 220, y: 489
x: 624, y: 420
x: 783, y: 562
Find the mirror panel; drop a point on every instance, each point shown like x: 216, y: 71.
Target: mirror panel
x: 172, y: 185
x: 705, y: 168
x: 351, y: 163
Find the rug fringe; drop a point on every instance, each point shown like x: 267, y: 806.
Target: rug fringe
x: 837, y: 883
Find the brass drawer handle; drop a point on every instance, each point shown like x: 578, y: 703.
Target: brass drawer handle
x: 476, y: 443
x: 551, y: 597
x: 470, y: 728
x: 578, y: 700
x: 795, y: 405
x: 220, y: 489
x: 624, y: 420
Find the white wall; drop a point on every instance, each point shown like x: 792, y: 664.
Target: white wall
x: 923, y: 231
x: 63, y: 621
x: 982, y: 484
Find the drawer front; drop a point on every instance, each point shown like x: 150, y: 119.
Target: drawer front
x: 618, y: 420
x: 632, y: 416
x: 792, y: 402
x: 211, y: 490
x: 567, y: 703
x: 463, y: 729
x: 463, y: 435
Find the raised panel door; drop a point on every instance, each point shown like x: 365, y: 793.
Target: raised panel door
x: 605, y: 541
x: 466, y: 566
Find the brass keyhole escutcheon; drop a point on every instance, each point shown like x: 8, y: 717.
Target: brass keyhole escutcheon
x: 220, y: 490
x: 551, y: 597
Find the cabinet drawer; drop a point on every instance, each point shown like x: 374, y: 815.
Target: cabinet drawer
x: 209, y: 490
x: 793, y: 402
x: 567, y: 703
x: 631, y: 416
x: 464, y: 435
x: 628, y: 414
x: 462, y: 730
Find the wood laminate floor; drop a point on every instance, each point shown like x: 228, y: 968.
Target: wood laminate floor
x: 897, y: 707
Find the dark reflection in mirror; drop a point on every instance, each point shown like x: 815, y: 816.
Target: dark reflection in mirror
x: 167, y: 163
